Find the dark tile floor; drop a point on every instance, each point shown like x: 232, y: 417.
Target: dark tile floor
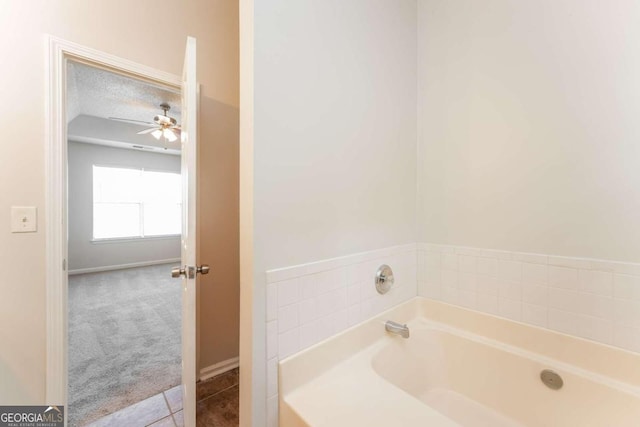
x: 218, y: 401
x: 219, y: 410
x: 217, y: 406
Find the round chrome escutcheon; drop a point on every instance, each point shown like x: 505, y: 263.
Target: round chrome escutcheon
x: 384, y: 279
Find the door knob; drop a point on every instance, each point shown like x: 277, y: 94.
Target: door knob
x: 182, y: 271
x: 178, y: 271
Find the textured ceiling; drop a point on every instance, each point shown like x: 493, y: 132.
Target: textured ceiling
x: 100, y: 93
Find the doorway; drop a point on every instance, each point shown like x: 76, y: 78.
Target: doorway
x: 124, y: 216
x: 59, y: 53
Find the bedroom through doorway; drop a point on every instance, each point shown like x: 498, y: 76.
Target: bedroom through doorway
x: 124, y: 222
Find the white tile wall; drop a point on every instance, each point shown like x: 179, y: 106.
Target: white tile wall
x: 311, y: 302
x: 593, y: 299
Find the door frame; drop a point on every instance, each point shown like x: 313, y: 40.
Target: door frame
x: 56, y: 252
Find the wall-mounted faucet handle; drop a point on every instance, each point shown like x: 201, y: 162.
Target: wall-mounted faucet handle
x: 384, y: 279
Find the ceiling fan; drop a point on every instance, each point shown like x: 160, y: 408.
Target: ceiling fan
x: 166, y: 126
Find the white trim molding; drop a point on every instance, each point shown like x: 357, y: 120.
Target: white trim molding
x: 106, y: 241
x: 56, y: 245
x: 122, y: 266
x: 219, y: 368
x: 57, y: 52
x: 122, y: 144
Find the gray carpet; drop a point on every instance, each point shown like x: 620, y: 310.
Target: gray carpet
x: 124, y: 339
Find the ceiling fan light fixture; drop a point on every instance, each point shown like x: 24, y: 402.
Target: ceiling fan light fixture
x: 167, y: 127
x: 169, y: 135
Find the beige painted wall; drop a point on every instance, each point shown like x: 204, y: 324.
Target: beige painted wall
x: 153, y: 34
x: 218, y: 219
x: 528, y: 126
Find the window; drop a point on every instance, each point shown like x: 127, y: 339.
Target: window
x: 135, y: 203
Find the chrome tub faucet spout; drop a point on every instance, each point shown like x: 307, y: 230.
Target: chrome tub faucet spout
x: 397, y: 328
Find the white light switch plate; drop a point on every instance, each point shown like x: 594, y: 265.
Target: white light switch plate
x: 24, y: 219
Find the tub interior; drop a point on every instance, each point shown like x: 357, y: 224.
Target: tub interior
x: 478, y: 384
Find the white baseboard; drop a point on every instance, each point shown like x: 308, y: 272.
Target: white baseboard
x: 122, y: 266
x: 219, y: 368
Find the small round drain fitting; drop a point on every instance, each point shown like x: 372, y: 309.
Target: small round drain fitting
x: 551, y: 379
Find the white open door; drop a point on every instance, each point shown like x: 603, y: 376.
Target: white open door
x: 189, y: 137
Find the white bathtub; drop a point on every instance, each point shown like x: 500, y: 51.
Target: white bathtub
x: 458, y: 368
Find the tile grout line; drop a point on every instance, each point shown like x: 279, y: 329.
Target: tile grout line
x: 166, y: 402
x: 218, y: 392
x: 160, y: 419
x: 171, y: 413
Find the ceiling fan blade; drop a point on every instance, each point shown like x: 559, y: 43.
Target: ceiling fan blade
x: 130, y: 120
x: 146, y: 131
